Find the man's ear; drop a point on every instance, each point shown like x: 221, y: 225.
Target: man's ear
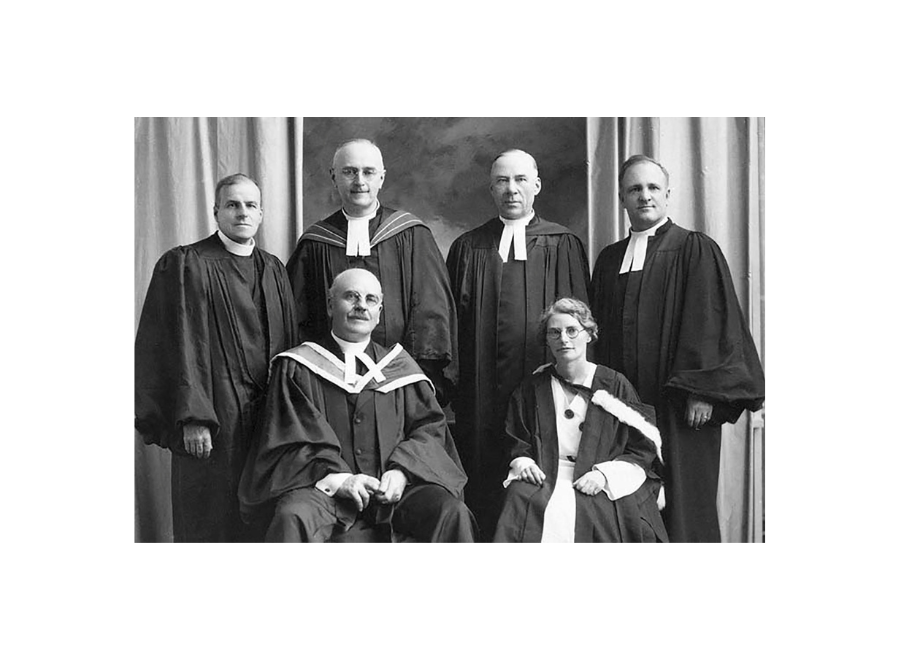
x: 537, y: 185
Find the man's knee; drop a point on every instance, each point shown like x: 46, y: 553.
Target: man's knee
x: 453, y: 521
x: 302, y: 516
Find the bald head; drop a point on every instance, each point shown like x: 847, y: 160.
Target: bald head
x: 514, y: 183
x: 354, y: 304
x: 357, y: 172
x: 517, y: 156
x: 359, y: 145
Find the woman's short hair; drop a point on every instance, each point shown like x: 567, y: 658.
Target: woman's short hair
x: 574, y: 308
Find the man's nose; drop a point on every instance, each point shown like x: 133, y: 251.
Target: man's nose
x: 359, y: 177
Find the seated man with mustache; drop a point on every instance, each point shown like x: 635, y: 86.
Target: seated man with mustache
x: 352, y: 438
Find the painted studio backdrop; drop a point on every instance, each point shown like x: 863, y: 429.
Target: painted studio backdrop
x: 438, y: 168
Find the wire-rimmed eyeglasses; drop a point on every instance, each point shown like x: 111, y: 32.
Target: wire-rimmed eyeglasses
x: 350, y: 173
x: 556, y: 334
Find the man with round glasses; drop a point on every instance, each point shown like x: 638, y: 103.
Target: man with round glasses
x: 396, y: 247
x: 352, y: 443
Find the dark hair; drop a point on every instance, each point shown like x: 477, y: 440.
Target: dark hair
x: 230, y: 180
x: 640, y: 158
x: 574, y: 308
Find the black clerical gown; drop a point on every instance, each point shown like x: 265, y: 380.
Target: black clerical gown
x: 499, y: 307
x: 210, y: 324
x: 314, y: 425
x: 418, y: 308
x: 676, y: 329
x: 531, y: 432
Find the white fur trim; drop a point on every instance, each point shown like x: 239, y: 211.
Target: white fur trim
x: 628, y: 415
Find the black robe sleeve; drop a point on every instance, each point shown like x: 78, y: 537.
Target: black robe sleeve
x: 173, y: 377
x: 427, y: 452
x: 715, y: 359
x: 295, y: 446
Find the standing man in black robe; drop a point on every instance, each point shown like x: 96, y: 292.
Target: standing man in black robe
x: 671, y: 322
x: 398, y: 248
x: 504, y: 274
x: 215, y: 314
x: 352, y: 443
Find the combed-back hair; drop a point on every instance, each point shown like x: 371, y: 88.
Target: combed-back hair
x: 232, y: 179
x: 574, y: 308
x: 640, y: 158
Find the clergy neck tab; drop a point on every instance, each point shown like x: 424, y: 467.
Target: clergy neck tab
x: 514, y: 235
x: 636, y: 252
x: 234, y: 247
x: 358, y: 242
x: 352, y: 350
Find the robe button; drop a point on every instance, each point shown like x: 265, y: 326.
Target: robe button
x: 358, y: 419
x: 569, y: 414
x: 359, y: 452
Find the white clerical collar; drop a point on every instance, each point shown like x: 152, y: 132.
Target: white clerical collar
x: 352, y: 350
x: 358, y: 233
x: 636, y: 252
x: 233, y: 247
x: 514, y: 234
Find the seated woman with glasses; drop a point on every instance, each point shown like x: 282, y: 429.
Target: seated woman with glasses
x: 584, y: 453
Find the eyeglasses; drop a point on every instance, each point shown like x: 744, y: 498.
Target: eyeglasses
x: 351, y: 173
x: 556, y: 334
x: 355, y: 298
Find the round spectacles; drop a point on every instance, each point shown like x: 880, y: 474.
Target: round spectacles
x: 556, y: 334
x: 351, y: 173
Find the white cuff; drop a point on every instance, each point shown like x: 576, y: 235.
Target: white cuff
x: 622, y: 478
x: 330, y: 484
x: 516, y: 466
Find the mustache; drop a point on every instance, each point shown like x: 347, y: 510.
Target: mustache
x: 361, y: 316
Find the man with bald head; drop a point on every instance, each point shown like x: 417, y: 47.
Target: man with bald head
x: 503, y: 275
x: 353, y: 444
x: 397, y: 247
x: 216, y: 312
x: 671, y: 322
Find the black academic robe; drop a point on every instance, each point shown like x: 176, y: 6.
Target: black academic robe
x: 499, y: 307
x: 305, y: 435
x: 531, y: 432
x: 210, y: 324
x: 676, y: 329
x: 418, y: 308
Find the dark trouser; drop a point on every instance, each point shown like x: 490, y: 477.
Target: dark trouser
x: 204, y: 501
x: 428, y: 513
x: 691, y: 477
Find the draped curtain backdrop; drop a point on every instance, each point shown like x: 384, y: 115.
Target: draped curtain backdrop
x: 717, y: 176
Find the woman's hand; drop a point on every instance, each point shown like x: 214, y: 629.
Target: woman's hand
x: 590, y: 483
x: 532, y: 474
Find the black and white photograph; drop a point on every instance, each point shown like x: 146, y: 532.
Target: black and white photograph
x: 450, y: 329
